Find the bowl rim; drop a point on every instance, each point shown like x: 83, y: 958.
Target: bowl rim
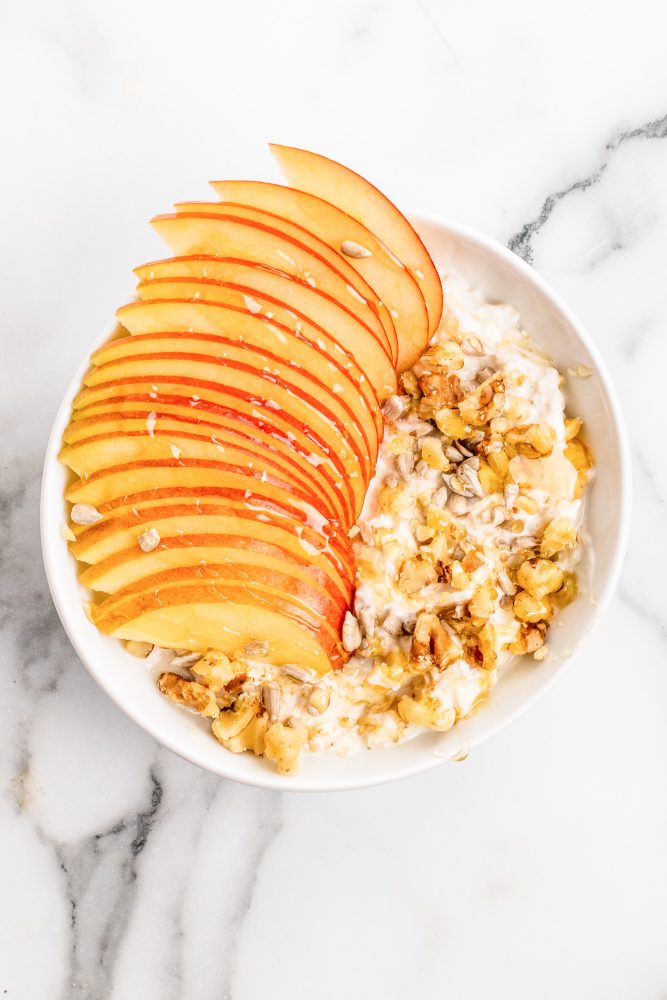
x: 272, y: 780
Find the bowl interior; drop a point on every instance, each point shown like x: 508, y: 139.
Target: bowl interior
x: 503, y: 277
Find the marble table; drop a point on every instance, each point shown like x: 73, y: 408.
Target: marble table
x: 537, y: 868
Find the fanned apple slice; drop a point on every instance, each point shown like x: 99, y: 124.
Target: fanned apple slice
x: 394, y: 284
x: 221, y: 328
x: 225, y: 403
x: 113, y: 447
x: 359, y: 198
x: 226, y: 235
x: 155, y: 474
x: 193, y: 550
x: 174, y: 596
x: 286, y: 522
x: 105, y: 539
x: 297, y: 236
x: 138, y: 414
x: 334, y: 428
x: 267, y: 289
x: 227, y: 619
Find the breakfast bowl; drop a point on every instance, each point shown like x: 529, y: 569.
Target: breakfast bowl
x: 500, y: 276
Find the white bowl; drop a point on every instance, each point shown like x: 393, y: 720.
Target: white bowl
x: 501, y: 276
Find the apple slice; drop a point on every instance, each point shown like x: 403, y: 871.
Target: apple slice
x: 154, y: 474
x: 227, y: 618
x: 194, y: 550
x: 219, y: 328
x: 112, y: 448
x: 224, y: 311
x: 253, y: 434
x: 224, y: 404
x: 291, y: 300
x: 353, y: 194
x: 298, y: 236
x: 227, y: 235
x: 336, y: 429
x: 331, y: 432
x: 286, y: 523
x: 394, y: 284
x: 98, y: 543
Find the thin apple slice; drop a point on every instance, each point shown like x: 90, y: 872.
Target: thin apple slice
x: 224, y: 311
x: 359, y: 198
x: 298, y: 237
x: 102, y: 541
x: 269, y: 290
x: 220, y: 328
x: 136, y: 414
x: 336, y: 428
x: 285, y: 521
x: 155, y: 474
x: 226, y: 235
x: 226, y: 619
x: 392, y: 281
x: 331, y: 431
x: 225, y: 403
x: 192, y: 550
x: 111, y: 448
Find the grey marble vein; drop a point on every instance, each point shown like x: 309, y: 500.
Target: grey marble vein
x: 100, y: 875
x: 521, y: 243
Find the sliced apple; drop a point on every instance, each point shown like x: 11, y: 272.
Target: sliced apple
x: 325, y: 420
x: 226, y: 618
x: 224, y: 403
x: 268, y: 290
x: 353, y: 194
x: 154, y: 474
x: 194, y: 550
x: 227, y: 331
x: 227, y: 235
x: 393, y: 282
x: 105, y: 539
x: 145, y: 412
x: 223, y: 311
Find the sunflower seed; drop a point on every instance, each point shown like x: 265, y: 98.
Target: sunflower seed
x: 483, y: 374
x: 475, y: 438
x: 464, y: 451
x: 393, y: 408
x: 405, y: 463
x: 472, y: 345
x: 439, y: 498
x: 458, y: 504
x: 409, y: 624
x: 392, y: 624
x: 148, y: 539
x: 351, y: 633
x: 505, y: 583
x: 366, y: 533
x: 354, y: 250
x: 185, y: 660
x: 510, y: 493
x: 256, y: 648
x: 318, y: 701
x: 366, y: 619
x: 468, y: 475
x: 271, y: 699
x: 84, y: 513
x: 453, y: 454
x: 297, y: 673
x: 524, y: 542
x: 469, y: 463
x: 459, y: 486
x: 421, y: 427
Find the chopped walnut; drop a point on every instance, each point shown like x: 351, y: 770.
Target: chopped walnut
x: 431, y: 638
x: 416, y: 573
x: 189, y: 693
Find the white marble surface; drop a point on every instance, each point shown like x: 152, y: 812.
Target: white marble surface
x: 537, y: 868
